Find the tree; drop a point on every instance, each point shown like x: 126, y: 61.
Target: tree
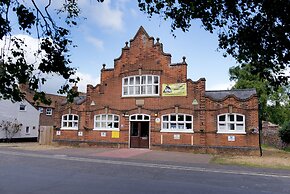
x: 36, y: 18
x: 275, y: 103
x: 255, y: 32
x: 10, y: 128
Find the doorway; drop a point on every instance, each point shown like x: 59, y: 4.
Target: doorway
x: 139, y: 131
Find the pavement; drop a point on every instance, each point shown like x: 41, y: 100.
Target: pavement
x: 112, y: 153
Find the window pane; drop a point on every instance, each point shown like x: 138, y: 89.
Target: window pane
x: 126, y: 81
x: 232, y: 117
x: 76, y: 118
x: 137, y: 80
x: 75, y: 124
x: 143, y: 80
x: 146, y: 118
x: 65, y: 117
x: 155, y: 79
x: 240, y: 127
x: 188, y: 126
x: 116, y: 118
x: 240, y: 118
x: 98, y: 124
x: 180, y: 117
x: 139, y: 117
x: 104, y: 117
x: 110, y: 117
x: 172, y: 125
x: 110, y: 125
x: 103, y: 124
x: 149, y: 89
x: 172, y: 117
x: 69, y: 124
x: 180, y: 125
x: 133, y: 117
x: 64, y: 124
x: 125, y: 90
x: 165, y: 118
x: 232, y: 126
x: 131, y: 90
x: 155, y: 89
x: 188, y: 118
x: 149, y: 80
x: 116, y: 125
x: 131, y: 80
x: 70, y: 117
x: 165, y: 125
x: 98, y: 117
x: 143, y: 89
x: 137, y: 90
x: 222, y: 118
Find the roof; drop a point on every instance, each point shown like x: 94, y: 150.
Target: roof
x: 77, y: 100
x: 242, y: 94
x: 54, y: 99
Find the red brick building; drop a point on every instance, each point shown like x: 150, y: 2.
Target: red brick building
x: 145, y: 101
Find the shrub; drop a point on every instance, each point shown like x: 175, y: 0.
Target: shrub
x: 284, y: 132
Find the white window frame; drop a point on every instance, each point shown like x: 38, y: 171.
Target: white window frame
x: 224, y: 126
x: 138, y: 86
x: 48, y: 111
x: 22, y: 106
x: 70, y: 124
x: 139, y: 117
x: 102, y: 122
x: 177, y: 123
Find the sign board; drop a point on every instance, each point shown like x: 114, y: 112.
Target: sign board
x: 58, y: 132
x: 103, y: 134
x: 231, y: 138
x: 80, y: 133
x: 176, y: 136
x: 115, y: 134
x: 157, y: 120
x: 177, y: 89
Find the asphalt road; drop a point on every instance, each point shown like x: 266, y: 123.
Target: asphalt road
x: 36, y: 173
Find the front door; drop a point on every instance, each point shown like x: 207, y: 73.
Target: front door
x: 139, y: 137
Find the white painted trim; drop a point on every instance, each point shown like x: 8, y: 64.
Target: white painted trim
x: 105, y: 129
x: 229, y: 132
x: 69, y: 128
x: 176, y: 131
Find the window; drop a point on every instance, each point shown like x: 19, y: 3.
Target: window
x: 48, y: 111
x: 22, y: 107
x: 70, y: 121
x: 106, y: 122
x: 40, y: 109
x: 231, y: 123
x: 27, y: 130
x: 139, y: 117
x: 144, y: 85
x: 176, y: 123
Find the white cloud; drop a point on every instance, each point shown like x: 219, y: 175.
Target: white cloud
x: 104, y: 14
x: 221, y: 86
x: 99, y: 44
x: 86, y: 79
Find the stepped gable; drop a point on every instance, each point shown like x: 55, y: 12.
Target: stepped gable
x: 241, y: 94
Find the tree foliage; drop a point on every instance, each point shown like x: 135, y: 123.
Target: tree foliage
x: 36, y: 18
x: 284, y: 132
x: 275, y: 104
x: 255, y: 32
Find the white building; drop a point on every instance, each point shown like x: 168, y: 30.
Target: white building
x: 22, y: 113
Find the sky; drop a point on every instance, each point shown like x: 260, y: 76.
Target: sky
x: 102, y: 35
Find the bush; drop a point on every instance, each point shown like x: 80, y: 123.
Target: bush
x: 284, y: 132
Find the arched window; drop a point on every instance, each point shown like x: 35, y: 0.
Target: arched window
x: 140, y: 85
x: 139, y: 117
x: 106, y: 122
x: 231, y: 123
x: 177, y: 123
x: 70, y: 121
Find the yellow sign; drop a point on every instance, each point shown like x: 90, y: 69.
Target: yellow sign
x: 178, y: 89
x: 115, y: 134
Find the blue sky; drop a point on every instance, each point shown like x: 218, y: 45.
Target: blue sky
x: 101, y: 36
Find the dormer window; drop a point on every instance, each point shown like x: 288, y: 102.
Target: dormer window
x: 22, y: 107
x: 144, y: 85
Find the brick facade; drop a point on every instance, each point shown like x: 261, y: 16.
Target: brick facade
x: 144, y: 56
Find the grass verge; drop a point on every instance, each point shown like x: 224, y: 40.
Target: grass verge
x: 272, y: 158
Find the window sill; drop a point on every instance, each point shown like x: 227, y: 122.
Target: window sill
x: 231, y: 132
x: 176, y: 131
x: 68, y: 128
x: 104, y: 129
